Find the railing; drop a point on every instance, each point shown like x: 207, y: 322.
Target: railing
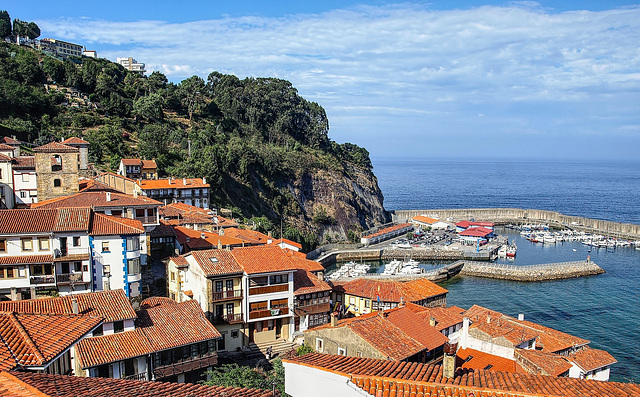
x: 228, y: 294
x: 312, y: 309
x: 140, y: 376
x: 268, y: 313
x: 269, y: 289
x: 43, y: 279
x: 147, y: 219
x: 183, y: 365
x: 227, y: 319
x: 68, y: 278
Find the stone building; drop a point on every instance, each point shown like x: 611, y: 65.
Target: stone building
x: 56, y: 170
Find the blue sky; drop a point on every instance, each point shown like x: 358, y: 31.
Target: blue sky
x: 462, y: 79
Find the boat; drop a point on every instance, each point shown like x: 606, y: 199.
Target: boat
x: 549, y: 238
x: 511, y: 251
x: 502, y: 251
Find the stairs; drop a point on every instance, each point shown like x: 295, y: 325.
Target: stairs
x: 278, y: 347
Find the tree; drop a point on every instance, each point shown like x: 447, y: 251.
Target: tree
x: 32, y: 30
x: 233, y: 375
x: 53, y: 69
x: 191, y: 92
x: 149, y: 107
x: 5, y: 24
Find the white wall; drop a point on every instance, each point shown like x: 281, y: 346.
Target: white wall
x: 303, y: 381
x: 25, y: 181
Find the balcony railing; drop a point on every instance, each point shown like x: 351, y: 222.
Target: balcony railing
x: 269, y: 289
x: 227, y: 319
x: 312, y: 309
x: 268, y: 313
x: 67, y: 278
x: 140, y: 376
x: 228, y: 294
x: 186, y: 364
x: 43, y: 279
x: 147, y: 219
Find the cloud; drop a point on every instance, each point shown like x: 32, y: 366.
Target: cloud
x: 520, y: 60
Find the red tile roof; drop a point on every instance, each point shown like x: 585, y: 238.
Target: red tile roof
x: 466, y: 224
x: 302, y: 262
x: 163, y: 230
x: 9, y: 141
x: 589, y: 359
x: 194, y: 238
x: 105, y: 225
x: 55, y: 147
x: 492, y: 381
x: 24, y: 162
x: 445, y: 317
x: 97, y: 199
x: 30, y: 384
x: 304, y: 282
x: 420, y: 330
x: 476, y: 232
x: 131, y: 162
x: 251, y: 236
x: 285, y: 241
x: 263, y: 259
x: 75, y: 141
x: 111, y: 305
x: 6, y: 147
x: 388, y: 230
x: 393, y: 291
x: 161, y: 325
x: 192, y: 183
x: 424, y: 219
x: 149, y: 164
x: 91, y: 185
x: 25, y: 259
x: 540, y: 363
x: 475, y: 359
x: 37, y: 339
x: 19, y: 221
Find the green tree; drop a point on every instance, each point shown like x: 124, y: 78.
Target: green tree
x: 5, y: 24
x: 233, y: 375
x: 149, y: 107
x: 32, y: 30
x: 156, y: 82
x: 191, y: 92
x: 53, y: 69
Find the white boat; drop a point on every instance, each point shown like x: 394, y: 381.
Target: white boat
x: 511, y: 251
x: 549, y: 238
x: 502, y: 252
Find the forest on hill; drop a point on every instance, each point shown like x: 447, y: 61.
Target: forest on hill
x: 263, y: 148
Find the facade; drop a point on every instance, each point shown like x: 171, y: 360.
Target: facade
x: 312, y: 302
x: 385, y: 233
x: 180, y: 214
x: 191, y: 191
x: 138, y: 169
x: 45, y: 251
x: 6, y: 177
x: 83, y: 149
x: 25, y: 183
x: 57, y: 167
x: 131, y: 64
x: 60, y: 48
x: 120, y: 183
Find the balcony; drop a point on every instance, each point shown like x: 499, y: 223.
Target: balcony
x: 312, y: 309
x: 141, y: 376
x: 268, y: 313
x: 68, y: 278
x: 226, y: 295
x: 234, y: 318
x: 38, y: 280
x: 269, y: 289
x: 147, y: 220
x: 186, y: 364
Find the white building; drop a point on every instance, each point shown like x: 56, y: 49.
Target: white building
x: 131, y: 64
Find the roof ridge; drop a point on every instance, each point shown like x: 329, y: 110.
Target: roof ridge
x: 26, y: 336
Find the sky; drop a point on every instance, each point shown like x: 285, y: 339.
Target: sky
x: 440, y: 79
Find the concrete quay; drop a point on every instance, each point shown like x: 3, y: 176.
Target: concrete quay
x: 546, y: 272
x: 503, y: 216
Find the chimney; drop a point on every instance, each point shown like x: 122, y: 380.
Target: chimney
x: 449, y: 360
x: 221, y: 231
x: 401, y: 301
x: 202, y: 236
x: 465, y: 333
x: 432, y: 321
x: 184, y: 181
x: 334, y: 319
x: 219, y: 244
x: 204, y: 180
x: 521, y: 316
x: 135, y: 193
x: 74, y: 306
x: 169, y: 180
x: 108, y: 196
x: 488, y: 319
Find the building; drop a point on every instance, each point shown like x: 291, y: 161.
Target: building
x: 248, y: 293
x: 423, y: 221
x: 138, y: 169
x: 60, y: 48
x: 191, y: 191
x: 385, y: 233
x: 446, y: 320
x: 83, y: 149
x: 25, y: 183
x: 13, y: 142
x: 29, y: 384
x: 193, y: 240
x: 363, y: 295
x: 476, y: 234
x: 394, y: 334
x: 90, y: 53
x: 131, y: 64
x: 312, y: 302
x: 352, y: 376
x: 171, y: 342
x: 180, y: 214
x: 45, y: 251
x: 57, y: 167
x: 464, y: 225
x: 6, y: 177
x: 120, y: 183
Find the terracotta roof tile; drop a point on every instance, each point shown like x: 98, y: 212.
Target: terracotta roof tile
x: 24, y: 162
x: 5, y: 158
x: 114, y: 347
x: 55, y: 147
x: 385, y: 337
x: 262, y: 259
x: 476, y: 232
x: 192, y: 183
x: 163, y: 230
x: 589, y: 359
x: 194, y: 238
x: 44, y: 220
x: 98, y: 199
x: 37, y: 339
x: 149, y: 164
x: 25, y: 259
x: 42, y: 385
x: 105, y: 225
x: 445, y: 317
x: 112, y: 305
x: 215, y: 262
x: 251, y: 236
x: 420, y: 330
x: 131, y: 162
x: 285, y: 241
x: 91, y: 185
x: 475, y: 359
x: 4, y: 146
x: 393, y: 291
x: 424, y: 219
x: 304, y: 282
x: 302, y: 262
x: 539, y: 363
x: 9, y: 140
x: 75, y: 141
x: 388, y: 230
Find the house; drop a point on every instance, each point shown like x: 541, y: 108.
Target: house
x: 446, y: 320
x: 311, y: 300
x: 60, y: 48
x: 120, y: 183
x: 6, y: 177
x: 394, y: 334
x: 464, y: 225
x: 171, y: 342
x: 163, y: 241
x: 83, y: 150
x: 423, y: 221
x: 192, y: 240
x: 251, y: 237
x: 180, y: 214
x: 131, y: 64
x: 385, y: 232
x: 64, y: 250
x: 25, y: 183
x: 42, y: 342
x: 536, y: 348
x: 138, y: 169
x: 287, y: 244
x: 247, y: 292
x: 476, y: 234
x: 29, y: 384
x: 13, y: 142
x: 57, y: 170
x: 191, y: 191
x: 364, y: 295
x: 354, y: 376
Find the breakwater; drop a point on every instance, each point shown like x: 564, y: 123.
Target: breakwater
x: 552, y: 271
x: 524, y: 216
x: 336, y: 254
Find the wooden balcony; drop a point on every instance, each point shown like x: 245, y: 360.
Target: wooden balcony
x: 141, y: 376
x: 234, y: 318
x: 312, y: 309
x: 269, y: 289
x: 38, y: 280
x: 68, y: 278
x: 186, y: 365
x: 268, y: 313
x: 226, y: 295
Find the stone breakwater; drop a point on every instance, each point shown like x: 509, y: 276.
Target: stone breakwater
x: 553, y: 271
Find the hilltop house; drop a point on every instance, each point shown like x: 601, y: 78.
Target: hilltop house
x: 191, y: 191
x: 138, y: 169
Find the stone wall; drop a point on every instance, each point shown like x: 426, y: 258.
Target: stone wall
x: 555, y: 271
x: 67, y: 175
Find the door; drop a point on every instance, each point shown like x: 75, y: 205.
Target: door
x: 219, y: 311
x: 63, y: 245
x: 278, y: 328
x: 221, y: 345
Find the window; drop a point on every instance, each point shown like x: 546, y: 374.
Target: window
x: 76, y: 241
x: 173, y: 276
x: 57, y: 182
x: 279, y: 303
x: 118, y: 326
x: 23, y: 194
x: 358, y: 354
x: 105, y: 246
x: 229, y: 308
x: 133, y: 243
x: 43, y: 243
x: 3, y: 245
x: 42, y: 270
x: 319, y: 345
x: 9, y: 272
x: 234, y: 333
x: 116, y: 213
x: 367, y: 303
x: 98, y: 331
x: 278, y: 279
x: 219, y: 286
x: 342, y: 351
x: 255, y: 306
x: 229, y: 285
x: 77, y: 267
x: 133, y: 266
x: 257, y: 281
x: 56, y: 162
x: 27, y: 244
x: 25, y: 177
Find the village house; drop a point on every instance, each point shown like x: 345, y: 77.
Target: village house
x: 353, y: 376
x: 64, y: 250
x: 311, y: 300
x: 180, y: 214
x: 446, y: 320
x: 188, y: 240
x: 191, y: 191
x: 393, y: 334
x: 424, y: 222
x: 364, y: 295
x: 6, y: 177
x: 138, y: 169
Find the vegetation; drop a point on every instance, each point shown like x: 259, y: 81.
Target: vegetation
x: 304, y: 349
x: 233, y: 375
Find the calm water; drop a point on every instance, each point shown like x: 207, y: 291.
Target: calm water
x: 604, y: 309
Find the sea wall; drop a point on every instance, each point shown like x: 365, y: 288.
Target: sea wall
x: 553, y: 271
x: 524, y: 216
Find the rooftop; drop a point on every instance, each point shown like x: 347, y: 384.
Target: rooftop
x: 75, y: 141
x: 475, y: 359
x: 305, y: 282
x: 424, y: 219
x: 98, y: 199
x: 476, y: 232
x: 178, y: 183
x: 393, y: 291
x: 55, y: 147
x: 18, y: 221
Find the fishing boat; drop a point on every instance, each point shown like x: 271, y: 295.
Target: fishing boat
x: 511, y: 251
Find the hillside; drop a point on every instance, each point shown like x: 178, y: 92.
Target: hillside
x: 264, y: 149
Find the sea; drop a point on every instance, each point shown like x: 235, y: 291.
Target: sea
x: 604, y: 309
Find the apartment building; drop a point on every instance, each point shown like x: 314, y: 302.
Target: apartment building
x: 191, y: 191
